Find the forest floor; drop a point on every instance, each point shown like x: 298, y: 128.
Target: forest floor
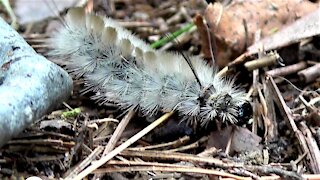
x: 279, y: 71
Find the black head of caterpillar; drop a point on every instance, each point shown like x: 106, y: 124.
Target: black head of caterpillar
x: 244, y: 112
x: 121, y: 68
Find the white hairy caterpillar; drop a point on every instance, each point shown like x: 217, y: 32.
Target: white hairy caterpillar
x: 123, y: 69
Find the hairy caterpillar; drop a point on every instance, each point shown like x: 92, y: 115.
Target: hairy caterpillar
x: 123, y: 69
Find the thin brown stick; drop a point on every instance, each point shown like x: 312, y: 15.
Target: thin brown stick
x: 94, y: 154
x: 120, y: 148
x: 313, y: 147
x: 118, y: 132
x: 287, y: 69
x: 286, y: 113
x: 175, y: 143
x: 190, y: 146
x: 239, y: 60
x: 208, y: 42
x: 161, y: 155
x: 169, y: 169
x: 270, y: 59
x: 310, y: 74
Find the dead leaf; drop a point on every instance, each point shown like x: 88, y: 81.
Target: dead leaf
x: 305, y: 27
x: 235, y: 25
x: 242, y: 141
x: 55, y: 125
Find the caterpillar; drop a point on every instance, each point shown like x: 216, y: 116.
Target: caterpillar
x: 123, y: 69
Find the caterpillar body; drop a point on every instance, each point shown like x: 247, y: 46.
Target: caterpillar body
x: 121, y: 68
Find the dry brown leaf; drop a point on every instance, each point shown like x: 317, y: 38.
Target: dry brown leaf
x: 305, y: 27
x: 242, y: 140
x: 227, y: 23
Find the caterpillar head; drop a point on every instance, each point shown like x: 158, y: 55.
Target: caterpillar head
x: 244, y: 112
x: 225, y: 107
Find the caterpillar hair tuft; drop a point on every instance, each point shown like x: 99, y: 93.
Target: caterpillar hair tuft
x: 121, y: 68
